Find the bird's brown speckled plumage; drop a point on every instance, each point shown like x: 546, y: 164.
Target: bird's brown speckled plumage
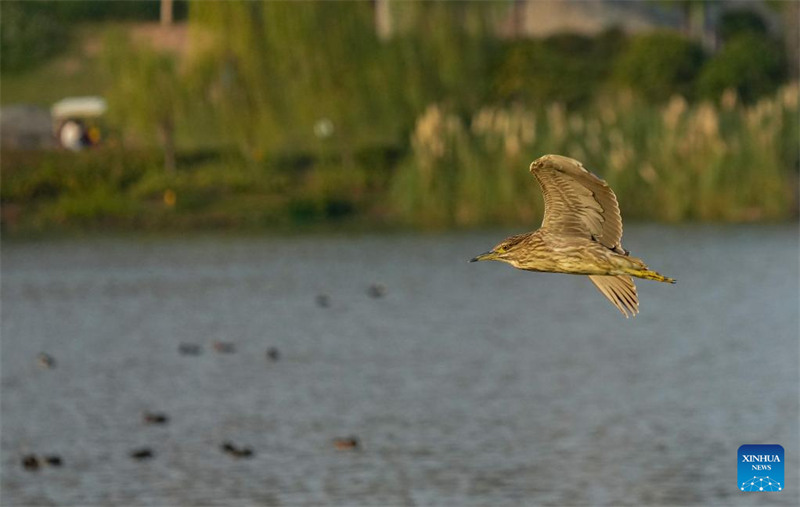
x: 581, y: 234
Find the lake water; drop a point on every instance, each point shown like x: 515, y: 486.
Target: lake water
x: 466, y: 384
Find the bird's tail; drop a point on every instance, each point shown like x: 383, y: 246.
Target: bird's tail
x: 648, y: 274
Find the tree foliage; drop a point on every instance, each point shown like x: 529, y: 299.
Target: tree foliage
x: 146, y: 93
x: 751, y: 65
x: 741, y: 21
x: 29, y: 35
x: 565, y: 68
x: 275, y: 69
x: 660, y: 64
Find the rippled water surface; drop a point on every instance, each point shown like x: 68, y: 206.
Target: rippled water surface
x: 466, y: 384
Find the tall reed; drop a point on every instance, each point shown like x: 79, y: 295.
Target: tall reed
x: 727, y: 162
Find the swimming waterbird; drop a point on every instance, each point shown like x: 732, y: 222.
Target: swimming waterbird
x: 345, y: 444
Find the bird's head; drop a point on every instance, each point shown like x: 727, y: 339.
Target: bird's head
x: 503, y: 251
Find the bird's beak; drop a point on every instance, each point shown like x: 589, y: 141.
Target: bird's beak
x: 486, y: 256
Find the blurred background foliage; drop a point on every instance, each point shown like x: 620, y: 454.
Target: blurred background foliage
x: 659, y: 65
x: 34, y: 31
x: 284, y: 114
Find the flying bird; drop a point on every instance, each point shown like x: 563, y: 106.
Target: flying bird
x: 581, y: 234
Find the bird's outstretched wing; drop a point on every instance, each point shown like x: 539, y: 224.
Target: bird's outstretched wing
x: 620, y: 290
x: 578, y: 203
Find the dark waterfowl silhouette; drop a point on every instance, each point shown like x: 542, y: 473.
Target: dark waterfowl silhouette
x: 224, y: 347
x: 236, y: 452
x: 54, y: 460
x: 155, y: 418
x: 346, y: 444
x: 190, y: 349
x: 376, y: 290
x: 30, y: 462
x: 142, y: 453
x: 45, y: 360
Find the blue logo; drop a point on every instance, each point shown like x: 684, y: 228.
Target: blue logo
x: 761, y: 468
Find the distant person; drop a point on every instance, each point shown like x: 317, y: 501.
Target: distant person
x: 75, y: 136
x: 71, y: 135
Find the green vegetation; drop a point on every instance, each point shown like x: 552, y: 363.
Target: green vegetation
x: 675, y: 162
x: 568, y: 68
x: 659, y: 65
x: 76, y: 67
x: 738, y: 22
x: 45, y: 191
x: 29, y: 35
x: 33, y: 32
x: 284, y: 67
x: 751, y: 65
x: 147, y: 113
x: 285, y: 114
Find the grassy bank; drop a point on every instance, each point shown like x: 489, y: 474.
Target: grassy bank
x: 129, y: 190
x: 676, y: 162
